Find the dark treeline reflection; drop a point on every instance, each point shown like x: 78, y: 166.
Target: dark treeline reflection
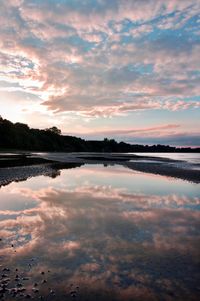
x: 74, y: 237
x: 20, y: 136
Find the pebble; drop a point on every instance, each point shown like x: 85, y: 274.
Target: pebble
x: 6, y: 270
x: 73, y: 294
x: 5, y: 281
x: 22, y: 289
x: 52, y: 292
x: 28, y: 296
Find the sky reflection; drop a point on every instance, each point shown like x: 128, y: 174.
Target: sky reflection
x: 103, y: 232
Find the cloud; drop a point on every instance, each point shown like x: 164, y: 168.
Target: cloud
x: 161, y: 128
x: 171, y: 134
x: 98, y: 59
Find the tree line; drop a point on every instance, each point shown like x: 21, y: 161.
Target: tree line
x: 20, y: 136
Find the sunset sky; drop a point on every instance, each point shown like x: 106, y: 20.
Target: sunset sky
x: 122, y: 69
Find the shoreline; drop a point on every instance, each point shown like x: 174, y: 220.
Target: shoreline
x: 20, y: 167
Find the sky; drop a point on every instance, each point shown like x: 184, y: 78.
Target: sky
x: 122, y: 69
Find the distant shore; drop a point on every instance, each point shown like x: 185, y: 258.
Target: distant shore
x: 19, y: 167
x: 19, y: 136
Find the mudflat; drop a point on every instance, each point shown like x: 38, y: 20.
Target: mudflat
x: 20, y: 166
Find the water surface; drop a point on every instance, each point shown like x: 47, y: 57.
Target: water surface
x: 100, y: 233
x: 188, y: 157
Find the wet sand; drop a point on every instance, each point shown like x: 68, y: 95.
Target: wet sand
x: 19, y: 167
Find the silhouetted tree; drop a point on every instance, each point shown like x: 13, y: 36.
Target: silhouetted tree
x: 20, y: 136
x: 54, y: 130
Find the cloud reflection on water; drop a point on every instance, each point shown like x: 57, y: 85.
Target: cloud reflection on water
x: 107, y: 240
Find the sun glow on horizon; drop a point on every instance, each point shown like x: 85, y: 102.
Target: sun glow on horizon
x: 95, y: 65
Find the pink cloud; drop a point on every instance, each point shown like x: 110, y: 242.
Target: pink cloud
x: 97, y: 82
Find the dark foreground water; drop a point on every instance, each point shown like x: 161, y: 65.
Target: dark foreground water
x: 100, y: 233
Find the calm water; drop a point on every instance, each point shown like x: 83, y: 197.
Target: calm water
x: 100, y: 233
x: 188, y: 157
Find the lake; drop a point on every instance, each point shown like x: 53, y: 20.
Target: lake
x: 100, y: 232
x: 188, y: 157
